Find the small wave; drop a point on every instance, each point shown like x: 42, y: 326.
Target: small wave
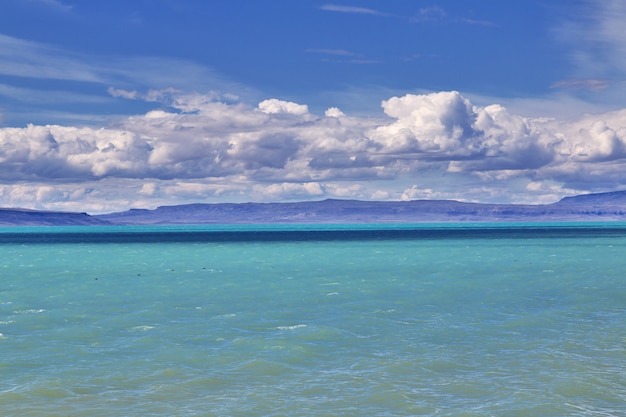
x: 32, y: 311
x: 225, y: 316
x: 142, y: 328
x: 297, y: 326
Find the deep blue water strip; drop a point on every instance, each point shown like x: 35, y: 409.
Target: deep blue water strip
x: 304, y: 235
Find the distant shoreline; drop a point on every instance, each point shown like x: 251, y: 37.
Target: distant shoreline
x: 600, y: 207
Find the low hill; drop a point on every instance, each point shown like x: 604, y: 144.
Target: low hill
x: 593, y: 207
x: 23, y: 217
x: 590, y: 207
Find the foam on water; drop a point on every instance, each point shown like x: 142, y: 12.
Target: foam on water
x: 531, y: 324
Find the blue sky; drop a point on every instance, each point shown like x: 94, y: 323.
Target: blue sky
x: 118, y: 104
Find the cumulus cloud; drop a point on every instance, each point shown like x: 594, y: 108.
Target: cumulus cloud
x: 334, y: 112
x: 274, y: 106
x: 56, y: 152
x: 206, y: 148
x: 428, y: 123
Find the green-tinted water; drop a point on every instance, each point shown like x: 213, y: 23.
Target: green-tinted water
x: 456, y: 325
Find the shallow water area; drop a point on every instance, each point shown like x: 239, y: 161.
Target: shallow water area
x: 349, y: 320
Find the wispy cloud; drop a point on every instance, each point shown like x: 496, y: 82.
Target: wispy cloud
x: 593, y: 84
x: 26, y: 59
x: 477, y: 22
x: 342, y: 55
x: 30, y: 95
x: 425, y: 14
x: 95, y: 74
x: 596, y: 37
x: 121, y: 93
x: 593, y: 39
x: 352, y: 9
x: 429, y: 14
x: 333, y: 52
x: 52, y: 4
x: 434, y: 14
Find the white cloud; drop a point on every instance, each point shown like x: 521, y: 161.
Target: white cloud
x: 149, y: 189
x: 430, y: 145
x: 342, y: 190
x: 428, y: 123
x: 334, y: 112
x: 274, y: 106
x: 380, y: 195
x: 282, y: 191
x: 351, y: 9
x: 414, y: 193
x: 127, y: 94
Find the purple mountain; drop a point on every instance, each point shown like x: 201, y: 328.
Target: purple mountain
x: 598, y: 207
x: 590, y: 207
x: 23, y: 217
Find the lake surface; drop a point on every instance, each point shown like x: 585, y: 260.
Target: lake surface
x: 332, y: 320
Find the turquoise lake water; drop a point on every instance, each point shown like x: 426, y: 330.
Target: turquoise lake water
x: 376, y: 320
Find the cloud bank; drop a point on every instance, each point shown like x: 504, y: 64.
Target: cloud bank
x: 206, y: 148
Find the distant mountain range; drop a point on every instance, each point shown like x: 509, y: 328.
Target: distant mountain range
x: 590, y: 207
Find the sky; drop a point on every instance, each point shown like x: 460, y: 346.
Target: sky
x: 118, y: 104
